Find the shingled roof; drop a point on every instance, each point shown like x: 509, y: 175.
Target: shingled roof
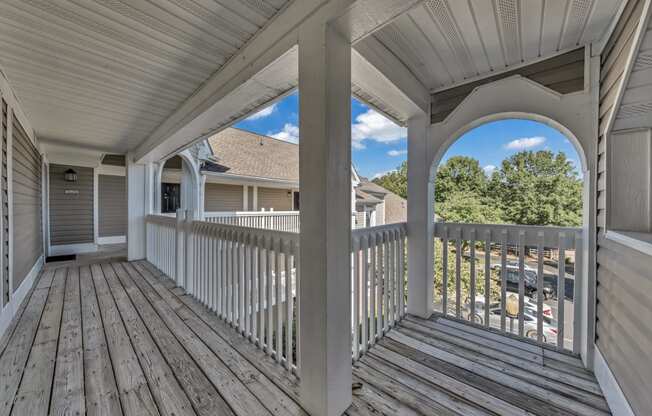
x: 239, y: 152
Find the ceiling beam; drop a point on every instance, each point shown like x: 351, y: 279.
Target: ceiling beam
x: 189, y: 123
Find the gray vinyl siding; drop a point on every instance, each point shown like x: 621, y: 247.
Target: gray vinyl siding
x: 250, y: 198
x: 563, y: 73
x: 112, y: 205
x: 221, y: 197
x: 273, y: 198
x: 27, y: 227
x: 624, y: 282
x: 71, y: 214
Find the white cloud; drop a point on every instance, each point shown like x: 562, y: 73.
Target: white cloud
x: 374, y: 126
x: 379, y: 174
x: 265, y: 112
x: 489, y: 169
x: 289, y: 133
x: 394, y: 152
x: 525, y: 143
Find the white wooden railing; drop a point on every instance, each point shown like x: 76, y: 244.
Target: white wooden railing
x: 162, y: 243
x: 378, y: 283
x: 271, y: 220
x: 496, y: 241
x: 247, y: 276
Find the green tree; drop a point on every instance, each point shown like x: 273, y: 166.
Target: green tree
x: 459, y: 174
x: 538, y: 188
x: 395, y: 181
x: 468, y: 207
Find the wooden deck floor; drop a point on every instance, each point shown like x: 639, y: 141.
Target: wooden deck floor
x: 120, y: 339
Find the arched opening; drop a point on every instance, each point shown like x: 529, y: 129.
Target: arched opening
x: 509, y: 196
x: 178, y: 185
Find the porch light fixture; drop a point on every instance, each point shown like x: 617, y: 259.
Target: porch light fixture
x: 70, y: 176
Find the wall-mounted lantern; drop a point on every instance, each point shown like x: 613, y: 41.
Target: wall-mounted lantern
x: 70, y: 176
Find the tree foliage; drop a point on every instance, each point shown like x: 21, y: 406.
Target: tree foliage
x: 534, y: 188
x: 538, y: 188
x: 395, y: 181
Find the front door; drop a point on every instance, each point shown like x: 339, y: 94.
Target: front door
x: 170, y: 197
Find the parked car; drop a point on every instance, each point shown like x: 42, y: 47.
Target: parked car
x: 530, y: 305
x: 550, y: 280
x: 513, y: 264
x: 530, y: 283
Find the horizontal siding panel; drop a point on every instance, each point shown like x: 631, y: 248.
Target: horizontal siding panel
x: 274, y: 198
x: 71, y: 215
x: 27, y: 226
x: 221, y: 197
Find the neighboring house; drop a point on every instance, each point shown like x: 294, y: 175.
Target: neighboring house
x: 376, y: 205
x: 245, y: 171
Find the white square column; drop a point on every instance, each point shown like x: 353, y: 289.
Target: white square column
x: 420, y: 219
x: 140, y: 194
x: 325, y: 182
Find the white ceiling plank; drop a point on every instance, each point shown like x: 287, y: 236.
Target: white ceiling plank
x: 98, y: 36
x: 576, y: 22
x: 532, y: 15
x: 466, y: 22
x: 489, y: 32
x: 600, y: 19
x: 509, y: 25
x: 427, y: 26
x: 554, y: 17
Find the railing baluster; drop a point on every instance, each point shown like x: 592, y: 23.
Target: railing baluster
x: 487, y: 277
x: 561, y: 290
x: 247, y: 286
x: 279, y: 300
x: 458, y: 273
x: 540, y: 239
x: 364, y: 244
x: 261, y: 291
x: 577, y: 292
x: 521, y: 282
x: 355, y: 286
x: 473, y: 275
x: 289, y: 303
x: 372, y: 289
x: 503, y: 277
x: 444, y: 265
x: 270, y: 287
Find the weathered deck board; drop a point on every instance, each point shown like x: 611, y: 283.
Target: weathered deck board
x: 122, y: 339
x: 14, y: 357
x: 101, y: 391
x: 68, y: 388
x: 135, y: 395
x: 33, y: 397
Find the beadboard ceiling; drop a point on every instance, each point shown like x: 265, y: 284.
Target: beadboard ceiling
x: 105, y: 73
x: 446, y: 42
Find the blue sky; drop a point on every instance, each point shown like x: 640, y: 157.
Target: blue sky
x: 380, y: 146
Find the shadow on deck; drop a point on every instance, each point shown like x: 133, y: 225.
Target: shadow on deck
x: 120, y: 338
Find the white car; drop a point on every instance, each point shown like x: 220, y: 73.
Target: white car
x: 530, y: 305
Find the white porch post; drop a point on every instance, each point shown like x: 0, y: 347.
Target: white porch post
x: 325, y: 182
x: 139, y: 200
x: 420, y: 219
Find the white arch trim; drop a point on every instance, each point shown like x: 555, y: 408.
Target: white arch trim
x: 521, y: 98
x: 193, y: 200
x: 575, y: 116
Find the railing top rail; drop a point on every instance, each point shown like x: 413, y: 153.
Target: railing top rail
x: 209, y: 227
x: 363, y: 232
x: 161, y: 219
x: 550, y: 236
x: 248, y: 213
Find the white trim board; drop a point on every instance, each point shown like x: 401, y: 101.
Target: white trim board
x: 615, y: 397
x: 9, y: 311
x: 116, y: 239
x: 63, y: 249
